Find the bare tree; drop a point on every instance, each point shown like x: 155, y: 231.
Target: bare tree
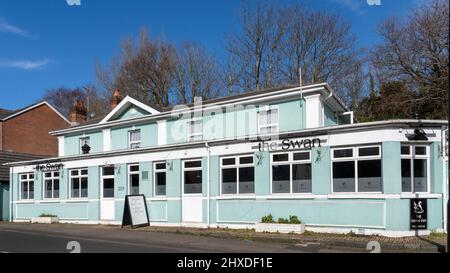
x: 196, y: 74
x: 145, y: 71
x: 415, y: 52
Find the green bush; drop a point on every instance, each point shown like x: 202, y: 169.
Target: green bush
x: 283, y: 221
x: 267, y: 219
x: 293, y: 219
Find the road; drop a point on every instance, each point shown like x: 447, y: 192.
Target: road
x: 27, y: 238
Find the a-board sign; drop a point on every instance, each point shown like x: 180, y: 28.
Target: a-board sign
x: 135, y: 213
x: 418, y: 213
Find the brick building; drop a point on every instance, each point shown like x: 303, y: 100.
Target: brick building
x: 24, y: 136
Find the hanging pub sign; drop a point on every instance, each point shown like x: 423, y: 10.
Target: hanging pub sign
x: 418, y: 214
x: 135, y: 213
x: 49, y: 167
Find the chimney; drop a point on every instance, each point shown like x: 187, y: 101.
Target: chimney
x: 116, y: 99
x: 78, y: 112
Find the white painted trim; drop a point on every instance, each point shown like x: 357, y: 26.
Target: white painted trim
x: 162, y: 132
x: 107, y: 140
x: 61, y: 146
x: 124, y: 103
x: 314, y: 111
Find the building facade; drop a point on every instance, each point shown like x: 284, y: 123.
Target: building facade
x: 228, y: 162
x: 24, y: 135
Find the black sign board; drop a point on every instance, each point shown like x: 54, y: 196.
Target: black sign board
x: 135, y: 213
x: 418, y: 213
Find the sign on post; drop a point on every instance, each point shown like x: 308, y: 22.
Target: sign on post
x: 418, y: 213
x: 135, y: 211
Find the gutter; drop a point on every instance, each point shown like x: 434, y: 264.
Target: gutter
x: 252, y: 138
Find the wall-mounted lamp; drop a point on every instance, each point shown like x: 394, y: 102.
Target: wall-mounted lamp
x: 117, y: 167
x: 169, y: 165
x: 259, y: 158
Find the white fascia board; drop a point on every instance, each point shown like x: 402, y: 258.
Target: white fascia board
x: 124, y: 103
x: 35, y: 106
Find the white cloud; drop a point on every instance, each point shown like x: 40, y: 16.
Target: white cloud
x: 356, y: 6
x: 25, y: 65
x: 8, y: 28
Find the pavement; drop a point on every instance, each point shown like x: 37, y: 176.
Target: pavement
x: 65, y: 238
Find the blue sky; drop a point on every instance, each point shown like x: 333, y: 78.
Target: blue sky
x: 47, y: 43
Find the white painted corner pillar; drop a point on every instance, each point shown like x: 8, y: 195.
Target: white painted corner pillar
x: 61, y: 145
x: 106, y: 140
x: 162, y: 132
x: 314, y: 111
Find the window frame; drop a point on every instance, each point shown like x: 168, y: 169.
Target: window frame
x: 289, y: 162
x: 156, y: 171
x: 130, y: 142
x: 130, y: 173
x: 183, y: 169
x: 79, y: 176
x: 27, y: 180
x: 412, y: 156
x: 237, y: 165
x: 357, y: 158
x: 81, y: 141
x: 260, y: 126
x: 189, y: 133
x: 51, y: 178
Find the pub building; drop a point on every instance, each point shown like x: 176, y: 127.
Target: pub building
x: 228, y: 162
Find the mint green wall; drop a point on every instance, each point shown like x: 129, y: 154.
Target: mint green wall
x: 38, y: 186
x: 149, y: 136
x: 72, y: 143
x: 4, y: 201
x: 435, y: 168
x: 94, y: 193
x: 391, y: 168
x: 146, y: 185
x: 173, y: 187
x: 132, y: 112
x: 64, y: 184
x: 321, y: 170
x: 215, y: 175
x: 262, y: 174
x: 330, y: 118
x: 65, y: 211
x: 397, y: 214
x: 292, y: 115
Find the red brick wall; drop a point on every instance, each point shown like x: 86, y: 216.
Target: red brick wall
x: 29, y: 132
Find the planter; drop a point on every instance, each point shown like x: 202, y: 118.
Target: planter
x: 281, y: 228
x: 44, y: 220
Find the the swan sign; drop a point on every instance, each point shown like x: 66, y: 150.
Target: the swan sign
x: 418, y: 213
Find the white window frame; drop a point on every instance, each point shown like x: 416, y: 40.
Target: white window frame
x: 27, y: 180
x: 155, y: 172
x: 183, y: 169
x: 412, y: 155
x: 79, y: 176
x: 81, y: 141
x: 289, y: 162
x: 138, y: 142
x: 130, y: 173
x: 267, y: 109
x: 103, y: 177
x: 237, y: 165
x: 194, y: 134
x: 356, y: 158
x: 51, y: 178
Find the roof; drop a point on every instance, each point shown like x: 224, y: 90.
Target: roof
x: 6, y: 114
x: 8, y: 157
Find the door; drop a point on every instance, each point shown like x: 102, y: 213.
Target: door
x: 107, y: 202
x: 192, y: 197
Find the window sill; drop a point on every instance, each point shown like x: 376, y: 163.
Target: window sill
x: 46, y: 201
x: 291, y: 196
x: 420, y: 195
x: 25, y: 202
x: 357, y: 196
x: 157, y: 198
x: 77, y: 201
x: 231, y: 197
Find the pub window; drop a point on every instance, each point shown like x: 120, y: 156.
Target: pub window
x: 79, y: 183
x: 192, y: 174
x: 268, y: 121
x: 414, y: 168
x: 291, y: 172
x: 195, y: 130
x: 84, y: 141
x: 238, y: 175
x: 134, y: 139
x: 27, y: 186
x: 357, y: 169
x: 51, y: 185
x: 133, y: 173
x: 160, y: 178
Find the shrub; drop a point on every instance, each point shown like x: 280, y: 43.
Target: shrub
x: 283, y: 221
x: 267, y: 219
x: 293, y: 219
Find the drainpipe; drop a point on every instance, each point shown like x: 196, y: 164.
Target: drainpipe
x: 444, y: 181
x: 208, y: 156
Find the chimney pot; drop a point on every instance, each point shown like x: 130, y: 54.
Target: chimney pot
x: 78, y: 112
x: 116, y: 99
